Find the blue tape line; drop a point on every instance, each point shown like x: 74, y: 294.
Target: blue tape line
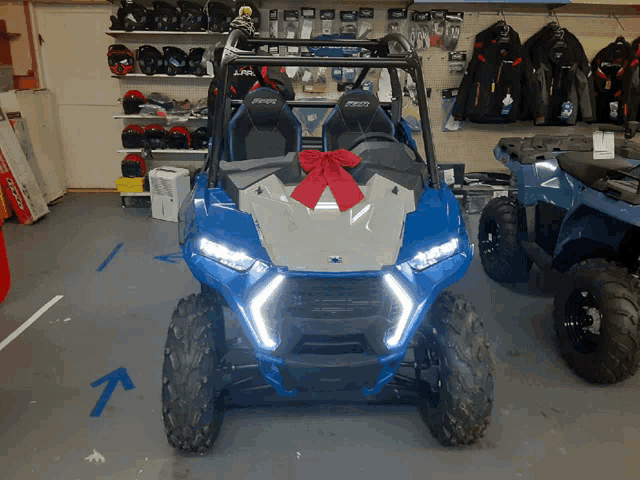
x: 110, y: 257
x: 170, y: 258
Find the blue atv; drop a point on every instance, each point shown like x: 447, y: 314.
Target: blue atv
x: 579, y: 217
x: 304, y: 304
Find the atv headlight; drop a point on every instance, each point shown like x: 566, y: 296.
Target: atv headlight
x: 406, y: 307
x: 261, y: 326
x: 235, y: 259
x: 434, y: 255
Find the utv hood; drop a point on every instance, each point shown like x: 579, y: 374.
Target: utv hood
x: 365, y: 237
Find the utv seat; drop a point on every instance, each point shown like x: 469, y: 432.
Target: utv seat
x: 264, y: 126
x: 356, y: 113
x: 584, y: 168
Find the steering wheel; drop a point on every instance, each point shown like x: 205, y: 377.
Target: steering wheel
x: 366, y: 137
x: 371, y: 136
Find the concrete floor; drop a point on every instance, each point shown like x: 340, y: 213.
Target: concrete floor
x: 547, y: 423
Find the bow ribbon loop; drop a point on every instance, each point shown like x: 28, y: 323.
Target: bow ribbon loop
x: 326, y: 169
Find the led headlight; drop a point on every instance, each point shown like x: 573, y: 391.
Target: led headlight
x: 235, y: 259
x: 434, y: 255
x: 394, y: 335
x: 261, y: 325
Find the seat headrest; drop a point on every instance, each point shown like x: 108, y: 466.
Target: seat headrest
x: 358, y: 103
x: 262, y: 105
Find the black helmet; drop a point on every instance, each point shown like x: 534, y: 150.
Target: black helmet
x: 192, y: 17
x: 155, y: 137
x: 150, y: 59
x: 165, y: 17
x: 199, y: 139
x: 179, y: 138
x: 219, y: 17
x: 131, y: 16
x: 132, y: 136
x: 132, y: 102
x: 194, y: 61
x: 175, y: 61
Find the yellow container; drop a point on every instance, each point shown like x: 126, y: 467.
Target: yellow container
x: 130, y: 185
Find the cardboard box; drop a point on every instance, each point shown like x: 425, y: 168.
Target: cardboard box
x: 17, y: 178
x: 5, y: 206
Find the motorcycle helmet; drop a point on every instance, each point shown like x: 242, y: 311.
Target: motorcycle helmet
x: 150, y: 59
x: 192, y: 17
x: 120, y: 59
x: 179, y: 138
x: 166, y: 17
x: 199, y: 139
x: 130, y: 16
x: 175, y: 61
x: 132, y: 136
x: 219, y: 17
x: 133, y: 166
x: 194, y: 62
x: 132, y: 102
x: 154, y: 137
x: 255, y: 13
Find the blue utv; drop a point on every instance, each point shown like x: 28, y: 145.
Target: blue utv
x: 579, y: 215
x: 317, y: 304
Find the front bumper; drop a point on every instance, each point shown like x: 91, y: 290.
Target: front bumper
x: 330, y: 327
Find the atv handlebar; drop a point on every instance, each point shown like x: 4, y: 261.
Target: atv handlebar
x: 629, y: 129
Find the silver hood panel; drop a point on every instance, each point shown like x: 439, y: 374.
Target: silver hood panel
x: 366, y: 237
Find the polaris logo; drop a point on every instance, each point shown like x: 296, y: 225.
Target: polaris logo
x: 609, y: 64
x: 354, y: 104
x: 264, y: 101
x: 334, y: 259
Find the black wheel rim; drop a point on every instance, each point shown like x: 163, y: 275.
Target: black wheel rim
x: 583, y: 321
x: 489, y: 238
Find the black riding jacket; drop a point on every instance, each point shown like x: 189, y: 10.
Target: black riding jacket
x: 496, y: 78
x: 612, y: 80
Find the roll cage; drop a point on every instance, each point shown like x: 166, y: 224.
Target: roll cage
x: 241, y: 51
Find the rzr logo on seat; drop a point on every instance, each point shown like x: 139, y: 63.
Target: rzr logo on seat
x: 264, y: 101
x: 245, y: 73
x: 355, y: 104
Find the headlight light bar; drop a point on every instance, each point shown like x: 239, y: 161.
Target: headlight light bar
x: 428, y: 258
x: 235, y: 259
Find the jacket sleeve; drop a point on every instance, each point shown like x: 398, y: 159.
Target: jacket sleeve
x: 459, y: 111
x: 527, y: 89
x: 585, y: 67
x: 584, y: 87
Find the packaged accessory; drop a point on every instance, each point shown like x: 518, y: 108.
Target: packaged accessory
x: 420, y: 31
x: 365, y: 26
x: 327, y: 17
x: 273, y: 23
x: 291, y: 27
x: 349, y: 22
x: 457, y: 62
x: 438, y: 27
x: 449, y: 97
x: 397, y: 18
x: 452, y: 30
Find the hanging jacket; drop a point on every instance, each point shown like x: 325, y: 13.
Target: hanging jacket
x: 495, y: 80
x: 611, y: 76
x: 634, y: 82
x: 562, y: 88
x: 542, y: 42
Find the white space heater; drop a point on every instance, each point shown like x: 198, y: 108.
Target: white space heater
x: 169, y: 186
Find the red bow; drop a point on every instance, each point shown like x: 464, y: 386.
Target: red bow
x: 325, y: 168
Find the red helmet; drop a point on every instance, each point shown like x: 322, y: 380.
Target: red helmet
x: 120, y: 59
x: 132, y: 102
x: 179, y: 138
x: 132, y: 136
x: 134, y: 166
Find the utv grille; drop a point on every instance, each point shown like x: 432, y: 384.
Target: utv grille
x: 333, y: 346
x: 326, y: 299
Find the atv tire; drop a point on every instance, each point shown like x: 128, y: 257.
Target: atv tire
x: 599, y: 296
x: 460, y: 412
x: 192, y: 406
x: 503, y: 258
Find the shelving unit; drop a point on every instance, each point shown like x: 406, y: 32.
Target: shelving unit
x: 146, y: 117
x: 118, y: 33
x: 165, y: 150
x: 160, y: 75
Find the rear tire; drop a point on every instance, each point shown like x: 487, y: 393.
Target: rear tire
x: 596, y: 319
x: 192, y: 406
x: 503, y: 258
x: 460, y: 412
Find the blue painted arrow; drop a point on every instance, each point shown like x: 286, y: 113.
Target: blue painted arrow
x: 170, y: 258
x: 118, y: 375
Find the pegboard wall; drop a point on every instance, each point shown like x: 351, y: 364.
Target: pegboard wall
x: 594, y: 26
